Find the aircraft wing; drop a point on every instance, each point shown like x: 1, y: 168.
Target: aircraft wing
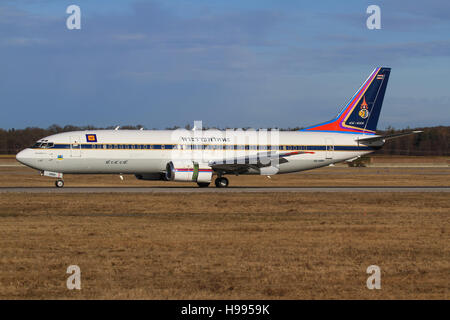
x: 386, y: 137
x: 259, y: 160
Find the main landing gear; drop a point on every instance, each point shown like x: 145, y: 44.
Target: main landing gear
x: 59, y: 183
x: 221, y: 182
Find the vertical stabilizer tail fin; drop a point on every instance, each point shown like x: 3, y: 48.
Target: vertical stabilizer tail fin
x: 361, y: 113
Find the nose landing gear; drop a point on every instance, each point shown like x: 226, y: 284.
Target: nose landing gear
x: 59, y: 183
x: 58, y: 175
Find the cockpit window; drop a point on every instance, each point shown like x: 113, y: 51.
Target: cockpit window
x: 43, y: 145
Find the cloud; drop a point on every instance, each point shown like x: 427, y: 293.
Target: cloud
x: 393, y: 52
x: 130, y: 37
x: 22, y: 41
x: 252, y: 66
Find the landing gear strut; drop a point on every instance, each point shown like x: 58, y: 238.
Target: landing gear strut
x: 59, y: 183
x: 221, y: 182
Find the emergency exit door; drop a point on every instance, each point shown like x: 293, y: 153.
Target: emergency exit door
x: 329, y: 148
x: 75, y: 146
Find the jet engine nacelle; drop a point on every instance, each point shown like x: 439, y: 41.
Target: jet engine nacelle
x: 186, y: 170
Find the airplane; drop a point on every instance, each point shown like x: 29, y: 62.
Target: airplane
x: 198, y: 155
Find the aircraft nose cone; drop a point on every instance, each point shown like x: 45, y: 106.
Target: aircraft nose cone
x: 23, y: 157
x: 20, y: 156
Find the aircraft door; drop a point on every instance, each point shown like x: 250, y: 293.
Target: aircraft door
x: 329, y: 148
x: 75, y: 146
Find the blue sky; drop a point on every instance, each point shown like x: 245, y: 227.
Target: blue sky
x: 253, y: 63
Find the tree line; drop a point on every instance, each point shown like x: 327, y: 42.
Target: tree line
x: 434, y: 141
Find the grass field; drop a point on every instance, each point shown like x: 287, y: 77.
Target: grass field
x: 228, y: 245
x: 20, y: 176
x: 208, y: 246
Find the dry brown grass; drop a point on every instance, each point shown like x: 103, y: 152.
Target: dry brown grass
x: 410, y: 159
x: 237, y: 246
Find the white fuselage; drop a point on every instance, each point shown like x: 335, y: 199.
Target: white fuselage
x: 149, y: 151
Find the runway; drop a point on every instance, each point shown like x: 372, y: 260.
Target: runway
x: 55, y: 190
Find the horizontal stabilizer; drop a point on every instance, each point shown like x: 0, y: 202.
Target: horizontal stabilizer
x: 386, y: 137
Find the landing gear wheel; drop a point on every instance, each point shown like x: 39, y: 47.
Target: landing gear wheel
x: 221, y: 182
x: 59, y: 183
x: 203, y: 184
